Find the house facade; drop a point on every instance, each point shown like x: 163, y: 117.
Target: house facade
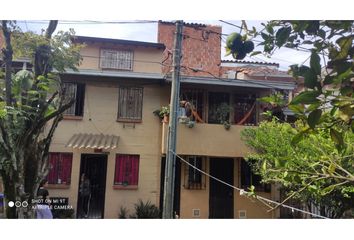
x: 112, y: 136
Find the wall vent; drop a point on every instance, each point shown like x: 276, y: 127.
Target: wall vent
x: 196, y: 212
x: 242, y: 214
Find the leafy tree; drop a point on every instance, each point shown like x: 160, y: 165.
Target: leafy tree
x: 313, y: 170
x: 31, y: 108
x: 325, y: 108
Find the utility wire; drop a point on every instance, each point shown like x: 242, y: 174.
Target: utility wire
x: 242, y: 191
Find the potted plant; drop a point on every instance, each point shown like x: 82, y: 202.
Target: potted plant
x: 222, y: 114
x: 163, y: 113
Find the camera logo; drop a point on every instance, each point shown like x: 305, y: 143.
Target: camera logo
x: 18, y: 204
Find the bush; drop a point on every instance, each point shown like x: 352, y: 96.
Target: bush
x: 123, y: 212
x: 145, y: 210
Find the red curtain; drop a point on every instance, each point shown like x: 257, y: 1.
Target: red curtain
x: 53, y: 172
x: 60, y: 168
x: 66, y: 160
x: 127, y: 169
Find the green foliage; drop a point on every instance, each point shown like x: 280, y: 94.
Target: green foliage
x: 123, y: 213
x: 35, y: 106
x: 222, y: 112
x: 312, y: 168
x: 145, y: 210
x: 163, y: 111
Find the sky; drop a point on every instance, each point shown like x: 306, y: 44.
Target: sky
x: 148, y: 32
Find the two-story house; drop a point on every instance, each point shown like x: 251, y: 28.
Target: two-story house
x: 110, y: 133
x: 210, y: 84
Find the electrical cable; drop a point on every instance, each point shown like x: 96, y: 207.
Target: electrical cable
x: 242, y: 191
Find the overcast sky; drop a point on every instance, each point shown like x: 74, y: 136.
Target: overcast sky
x: 148, y: 32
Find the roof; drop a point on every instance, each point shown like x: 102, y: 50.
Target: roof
x: 250, y: 62
x: 94, y: 141
x: 184, y: 24
x: 238, y: 82
x: 119, y: 41
x: 119, y: 74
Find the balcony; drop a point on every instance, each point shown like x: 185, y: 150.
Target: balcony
x: 207, y: 140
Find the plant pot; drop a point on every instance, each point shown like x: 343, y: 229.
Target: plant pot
x: 165, y: 119
x: 227, y: 126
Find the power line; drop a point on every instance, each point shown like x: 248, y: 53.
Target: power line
x: 242, y: 191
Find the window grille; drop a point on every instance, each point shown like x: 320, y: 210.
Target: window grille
x: 75, y: 91
x: 130, y: 104
x: 194, y: 179
x: 116, y: 59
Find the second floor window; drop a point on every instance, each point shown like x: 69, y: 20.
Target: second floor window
x: 130, y: 104
x: 116, y: 59
x: 75, y: 91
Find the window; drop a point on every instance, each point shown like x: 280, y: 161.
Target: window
x: 196, y: 98
x: 127, y: 170
x: 193, y: 178
x: 116, y: 59
x: 60, y: 168
x: 248, y: 178
x: 130, y: 104
x: 75, y: 91
x: 245, y: 109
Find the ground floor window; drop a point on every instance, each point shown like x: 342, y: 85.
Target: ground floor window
x: 127, y: 170
x: 194, y: 179
x: 60, y: 168
x: 248, y: 178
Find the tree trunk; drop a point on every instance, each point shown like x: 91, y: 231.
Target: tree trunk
x: 10, y: 195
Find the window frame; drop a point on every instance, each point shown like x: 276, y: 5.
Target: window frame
x: 125, y: 118
x: 117, y: 60
x: 67, y: 181
x: 254, y: 179
x: 79, y: 104
x: 122, y: 185
x: 195, y: 184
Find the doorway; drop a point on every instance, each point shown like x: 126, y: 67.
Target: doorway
x: 177, y: 188
x: 221, y: 196
x: 94, y: 166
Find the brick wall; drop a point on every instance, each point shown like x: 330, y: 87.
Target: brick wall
x: 201, y: 48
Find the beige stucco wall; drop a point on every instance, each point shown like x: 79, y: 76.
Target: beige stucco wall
x: 209, y: 140
x: 101, y: 104
x: 145, y: 59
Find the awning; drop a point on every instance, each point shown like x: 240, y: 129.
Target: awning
x: 95, y: 141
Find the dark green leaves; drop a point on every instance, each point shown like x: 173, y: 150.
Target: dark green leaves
x: 314, y: 118
x: 307, y: 97
x: 310, y: 78
x: 336, y: 137
x: 315, y: 63
x: 282, y: 36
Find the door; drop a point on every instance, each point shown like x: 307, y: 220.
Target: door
x: 94, y: 166
x: 221, y: 196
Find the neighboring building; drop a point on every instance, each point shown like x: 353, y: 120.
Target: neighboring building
x: 112, y: 135
x: 208, y: 83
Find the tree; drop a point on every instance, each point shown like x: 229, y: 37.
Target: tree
x: 313, y: 170
x: 325, y: 108
x: 31, y: 108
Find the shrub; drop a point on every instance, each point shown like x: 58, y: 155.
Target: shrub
x: 145, y: 210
